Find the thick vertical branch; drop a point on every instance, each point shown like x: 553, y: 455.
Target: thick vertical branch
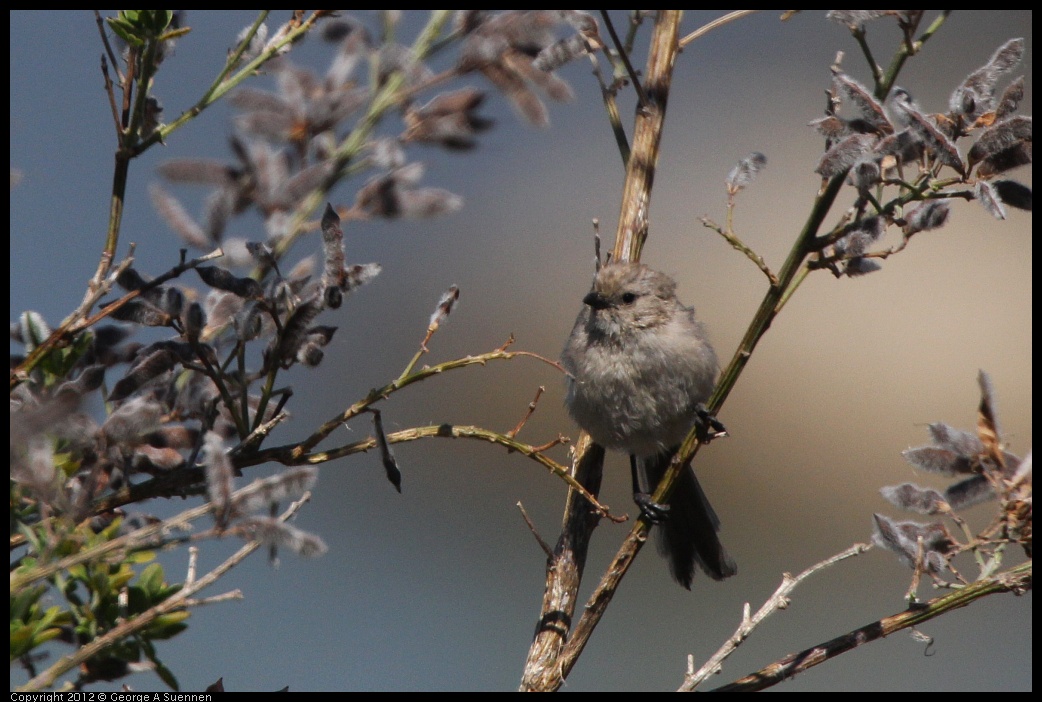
x: 546, y: 668
x: 563, y: 574
x: 647, y: 137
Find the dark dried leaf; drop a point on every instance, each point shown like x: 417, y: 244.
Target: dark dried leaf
x: 861, y: 266
x: 449, y: 119
x: 294, y: 332
x: 343, y: 28
x: 217, y: 209
x: 222, y: 279
x: 220, y: 478
x: 521, y: 97
x: 108, y: 335
x: 913, y: 498
x: 137, y: 416
x: 277, y: 534
x: 987, y: 420
x: 379, y: 197
x: 170, y: 300
x: 974, y: 97
x: 904, y: 146
x: 561, y: 52
x: 1000, y: 137
x: 904, y: 538
x: 969, y: 492
x: 310, y: 355
x: 1010, y: 100
x: 333, y: 273
x: 843, y: 155
x: 360, y: 274
x: 171, y: 436
x: 387, y: 153
x: 295, y: 83
x: 271, y: 170
x: 855, y: 18
x: 394, y: 58
x: 32, y: 329
x: 1013, y: 193
x: 287, y: 485
x: 325, y: 111
x: 155, y: 460
x: 148, y: 368
x: 194, y: 320
x: 333, y: 297
x: 428, y: 202
x: 556, y: 88
x: 321, y: 335
x: 445, y: 305
x: 986, y: 196
x: 178, y: 219
x: 275, y: 126
x: 130, y: 280
x: 89, y: 380
x: 198, y: 171
x: 865, y: 174
x: 831, y: 127
x: 745, y: 170
x: 961, y: 442
x: 303, y: 182
x: 1005, y: 160
x: 141, y: 312
x: 254, y: 100
x: 938, y: 460
x: 936, y: 141
x: 869, y: 108
x: 860, y: 235
x: 184, y: 351
x: 249, y: 321
x: 221, y: 307
x: 394, y: 475
x: 928, y: 215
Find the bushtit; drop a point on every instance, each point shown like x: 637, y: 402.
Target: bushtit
x: 640, y: 367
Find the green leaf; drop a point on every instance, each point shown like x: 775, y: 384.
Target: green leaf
x: 141, y: 557
x: 167, y: 676
x: 22, y: 602
x: 21, y: 641
x: 121, y: 577
x: 162, y: 671
x: 168, y: 625
x: 124, y: 30
x: 151, y: 580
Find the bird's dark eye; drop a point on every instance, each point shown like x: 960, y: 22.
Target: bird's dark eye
x: 629, y: 297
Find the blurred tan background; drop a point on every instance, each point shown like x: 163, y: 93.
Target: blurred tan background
x: 439, y: 587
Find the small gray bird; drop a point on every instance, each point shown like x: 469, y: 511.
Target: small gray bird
x: 640, y: 367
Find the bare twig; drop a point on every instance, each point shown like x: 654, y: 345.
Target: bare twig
x: 738, y: 245
x: 288, y: 455
x: 779, y: 600
x: 531, y: 527
x: 642, y: 98
x: 1016, y: 580
x: 531, y: 408
x: 718, y: 22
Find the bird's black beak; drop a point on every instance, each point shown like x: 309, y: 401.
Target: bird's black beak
x: 596, y: 301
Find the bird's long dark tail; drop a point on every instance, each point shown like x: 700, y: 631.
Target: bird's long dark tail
x: 687, y: 536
